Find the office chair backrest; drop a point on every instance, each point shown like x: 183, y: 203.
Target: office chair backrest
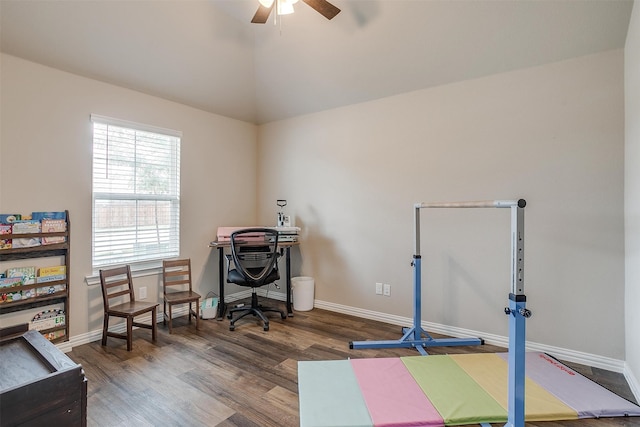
x: 255, y: 257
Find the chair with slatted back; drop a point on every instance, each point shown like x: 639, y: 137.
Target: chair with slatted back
x: 120, y: 301
x: 177, y: 288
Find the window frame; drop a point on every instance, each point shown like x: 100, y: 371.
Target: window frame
x: 138, y: 261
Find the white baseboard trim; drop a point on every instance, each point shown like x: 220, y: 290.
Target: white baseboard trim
x: 569, y: 355
x: 634, y: 385
x: 120, y: 328
x: 180, y: 311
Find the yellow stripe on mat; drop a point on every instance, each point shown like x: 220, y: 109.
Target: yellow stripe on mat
x: 490, y: 371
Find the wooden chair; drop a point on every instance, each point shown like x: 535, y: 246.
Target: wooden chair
x: 117, y: 284
x: 176, y: 284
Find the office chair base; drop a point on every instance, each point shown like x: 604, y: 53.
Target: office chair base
x: 256, y: 310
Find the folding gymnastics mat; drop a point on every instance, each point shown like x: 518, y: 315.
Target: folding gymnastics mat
x: 445, y: 390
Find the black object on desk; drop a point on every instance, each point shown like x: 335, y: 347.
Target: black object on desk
x: 283, y: 247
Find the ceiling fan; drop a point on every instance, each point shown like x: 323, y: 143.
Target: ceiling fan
x: 284, y: 7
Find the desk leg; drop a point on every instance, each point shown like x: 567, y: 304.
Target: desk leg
x: 288, y: 259
x: 222, y: 306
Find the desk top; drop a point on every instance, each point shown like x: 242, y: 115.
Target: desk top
x: 226, y: 244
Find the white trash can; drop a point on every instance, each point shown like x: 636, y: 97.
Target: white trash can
x: 303, y: 288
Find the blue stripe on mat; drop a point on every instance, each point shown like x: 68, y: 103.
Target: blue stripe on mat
x: 330, y: 395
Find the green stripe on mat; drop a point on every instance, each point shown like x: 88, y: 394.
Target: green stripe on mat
x: 456, y: 396
x: 330, y: 396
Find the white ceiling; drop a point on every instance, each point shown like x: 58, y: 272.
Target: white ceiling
x: 206, y: 53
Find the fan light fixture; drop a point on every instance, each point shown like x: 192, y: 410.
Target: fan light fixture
x: 284, y: 7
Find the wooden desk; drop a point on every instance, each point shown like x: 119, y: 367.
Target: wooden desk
x: 283, y: 246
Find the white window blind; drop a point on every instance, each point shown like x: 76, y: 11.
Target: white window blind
x: 136, y: 192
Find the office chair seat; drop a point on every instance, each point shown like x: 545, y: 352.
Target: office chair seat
x: 234, y: 276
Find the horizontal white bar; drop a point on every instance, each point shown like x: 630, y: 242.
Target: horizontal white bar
x: 477, y: 204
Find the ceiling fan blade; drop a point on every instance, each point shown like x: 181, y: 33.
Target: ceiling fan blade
x: 323, y: 7
x: 262, y: 14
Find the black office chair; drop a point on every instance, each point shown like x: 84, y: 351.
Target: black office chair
x: 253, y: 263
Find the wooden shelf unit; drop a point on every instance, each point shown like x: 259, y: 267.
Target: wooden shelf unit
x: 34, y: 252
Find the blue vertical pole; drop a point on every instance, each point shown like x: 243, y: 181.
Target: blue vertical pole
x: 417, y: 298
x: 417, y: 280
x: 518, y: 313
x: 517, y: 333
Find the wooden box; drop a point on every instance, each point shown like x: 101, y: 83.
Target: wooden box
x: 39, y: 384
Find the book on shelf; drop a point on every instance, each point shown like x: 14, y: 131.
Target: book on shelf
x: 53, y: 226
x: 48, y: 319
x: 10, y: 282
x: 9, y: 218
x: 26, y: 227
x: 49, y: 290
x: 6, y: 283
x: 52, y: 278
x: 55, y: 334
x: 39, y: 216
x: 27, y: 275
x: 56, y: 270
x: 51, y: 274
x: 5, y: 229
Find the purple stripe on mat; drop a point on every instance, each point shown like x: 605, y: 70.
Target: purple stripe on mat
x: 392, y: 396
x: 587, y: 398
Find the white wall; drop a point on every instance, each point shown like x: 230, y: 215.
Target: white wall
x: 632, y: 197
x: 45, y: 165
x: 553, y: 135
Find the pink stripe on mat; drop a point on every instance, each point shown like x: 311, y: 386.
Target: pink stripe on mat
x: 392, y: 396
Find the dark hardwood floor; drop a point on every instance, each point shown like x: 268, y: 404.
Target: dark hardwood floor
x: 248, y: 377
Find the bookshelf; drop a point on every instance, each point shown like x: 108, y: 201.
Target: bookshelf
x: 59, y: 289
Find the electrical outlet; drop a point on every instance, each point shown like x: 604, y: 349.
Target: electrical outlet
x: 386, y: 290
x: 378, y: 288
x: 142, y: 292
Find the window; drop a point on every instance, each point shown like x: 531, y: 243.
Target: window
x: 136, y: 192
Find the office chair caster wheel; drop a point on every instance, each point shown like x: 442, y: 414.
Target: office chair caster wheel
x: 266, y: 327
x: 232, y: 327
